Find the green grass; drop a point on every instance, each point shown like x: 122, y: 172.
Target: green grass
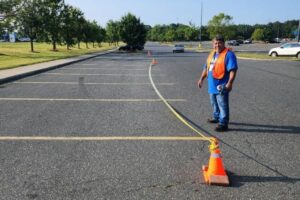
x: 18, y: 54
x: 264, y: 56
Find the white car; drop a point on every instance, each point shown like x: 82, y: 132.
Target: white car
x: 288, y: 49
x: 178, y: 48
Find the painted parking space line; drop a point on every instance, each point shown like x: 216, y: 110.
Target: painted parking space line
x: 101, y: 68
x: 76, y: 74
x: 90, y: 100
x: 108, y: 138
x: 89, y: 83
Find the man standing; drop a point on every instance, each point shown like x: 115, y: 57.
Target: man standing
x: 220, y: 70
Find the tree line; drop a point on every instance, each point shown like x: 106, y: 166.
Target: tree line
x: 55, y: 22
x: 222, y: 23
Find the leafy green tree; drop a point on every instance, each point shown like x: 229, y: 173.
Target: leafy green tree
x: 258, y: 34
x: 220, y: 23
x: 69, y: 24
x: 8, y: 12
x: 132, y: 31
x: 52, y: 13
x: 29, y: 20
x: 113, y: 32
x: 100, y: 36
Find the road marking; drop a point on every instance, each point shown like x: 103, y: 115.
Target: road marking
x: 139, y: 69
x: 108, y: 138
x: 90, y: 100
x: 84, y: 83
x: 74, y: 74
x: 179, y: 116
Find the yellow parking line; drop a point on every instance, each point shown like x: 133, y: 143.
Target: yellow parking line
x: 108, y: 138
x: 89, y: 100
x: 87, y: 83
x: 75, y: 74
x: 118, y: 69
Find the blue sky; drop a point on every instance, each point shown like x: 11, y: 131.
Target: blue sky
x: 154, y: 12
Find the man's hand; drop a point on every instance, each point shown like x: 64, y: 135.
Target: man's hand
x: 228, y: 87
x: 200, y: 83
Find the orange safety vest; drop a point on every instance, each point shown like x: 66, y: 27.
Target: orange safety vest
x: 219, y: 68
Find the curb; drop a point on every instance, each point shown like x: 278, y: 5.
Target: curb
x: 51, y: 67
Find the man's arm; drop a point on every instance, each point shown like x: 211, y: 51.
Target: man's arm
x: 232, y: 75
x: 203, y: 76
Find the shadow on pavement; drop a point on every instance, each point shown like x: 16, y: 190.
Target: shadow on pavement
x: 260, y: 128
x: 238, y: 181
x: 235, y: 177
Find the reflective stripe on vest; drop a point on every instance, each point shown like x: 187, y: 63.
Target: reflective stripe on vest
x: 219, y: 66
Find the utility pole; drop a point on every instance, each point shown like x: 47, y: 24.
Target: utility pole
x: 201, y: 23
x: 299, y: 31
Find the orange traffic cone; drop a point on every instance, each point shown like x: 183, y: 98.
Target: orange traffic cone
x: 154, y: 62
x: 149, y: 53
x: 215, y: 173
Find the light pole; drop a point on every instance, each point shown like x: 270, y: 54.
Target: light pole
x: 201, y: 24
x: 299, y: 31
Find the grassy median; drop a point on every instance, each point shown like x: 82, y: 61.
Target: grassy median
x: 264, y: 56
x: 18, y: 54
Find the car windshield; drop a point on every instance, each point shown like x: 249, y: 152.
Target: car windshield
x: 286, y: 46
x: 178, y: 45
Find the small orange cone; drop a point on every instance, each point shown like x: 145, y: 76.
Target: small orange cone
x: 154, y: 62
x: 149, y: 53
x: 215, y: 173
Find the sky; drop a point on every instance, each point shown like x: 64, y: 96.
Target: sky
x: 153, y: 12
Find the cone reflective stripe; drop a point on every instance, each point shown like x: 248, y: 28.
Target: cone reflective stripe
x: 214, y: 173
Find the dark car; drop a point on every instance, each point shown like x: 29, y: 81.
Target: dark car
x: 131, y: 48
x: 233, y: 43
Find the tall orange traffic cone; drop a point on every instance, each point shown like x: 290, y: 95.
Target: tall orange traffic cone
x: 154, y: 62
x: 215, y: 173
x: 149, y: 53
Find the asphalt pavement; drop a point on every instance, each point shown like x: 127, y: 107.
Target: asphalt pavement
x: 111, y: 95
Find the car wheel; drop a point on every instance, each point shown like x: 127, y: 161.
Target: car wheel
x: 274, y: 54
x: 298, y: 55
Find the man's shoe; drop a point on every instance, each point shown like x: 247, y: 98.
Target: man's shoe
x: 212, y: 121
x: 221, y: 128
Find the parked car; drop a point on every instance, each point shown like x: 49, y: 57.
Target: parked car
x: 131, y: 48
x: 288, y: 49
x: 233, y: 43
x: 248, y: 41
x: 178, y: 48
x: 24, y: 39
x: 240, y: 41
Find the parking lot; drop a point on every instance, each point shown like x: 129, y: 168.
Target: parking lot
x: 112, y: 96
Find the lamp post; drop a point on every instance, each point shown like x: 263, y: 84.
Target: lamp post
x: 299, y: 31
x: 200, y: 25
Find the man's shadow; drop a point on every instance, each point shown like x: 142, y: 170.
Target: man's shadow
x: 260, y: 128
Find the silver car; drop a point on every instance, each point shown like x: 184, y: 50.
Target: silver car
x: 178, y: 48
x: 288, y: 49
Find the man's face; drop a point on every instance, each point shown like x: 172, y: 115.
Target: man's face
x: 218, y: 45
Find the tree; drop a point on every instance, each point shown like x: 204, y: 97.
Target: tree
x: 52, y: 11
x: 29, y: 20
x: 220, y: 24
x: 113, y: 31
x: 132, y: 31
x: 258, y: 34
x: 70, y: 19
x: 101, y: 35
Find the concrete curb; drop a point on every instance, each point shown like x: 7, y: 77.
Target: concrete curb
x: 9, y: 75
